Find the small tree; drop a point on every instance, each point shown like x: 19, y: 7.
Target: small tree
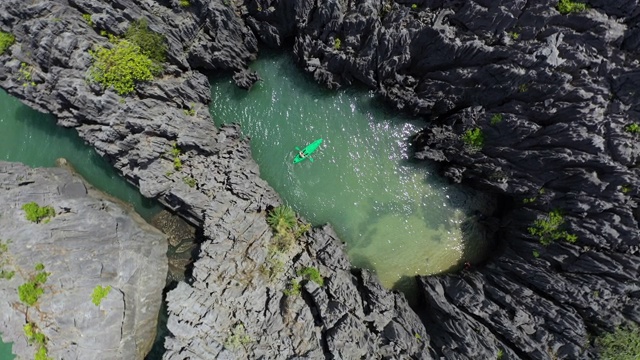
x: 121, y: 66
x: 152, y: 44
x: 6, y: 40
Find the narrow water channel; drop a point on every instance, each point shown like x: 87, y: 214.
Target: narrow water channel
x: 397, y: 217
x: 33, y: 138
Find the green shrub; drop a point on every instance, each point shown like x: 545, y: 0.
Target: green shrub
x: 312, y: 274
x: 99, y: 293
x: 152, y: 44
x: 121, y: 66
x: 495, y: 119
x: 536, y: 254
x: 237, y: 338
x: 633, y: 128
x: 568, y: 6
x: 87, y: 18
x: 6, y: 40
x: 514, y: 35
x: 42, y: 354
x: 294, y: 289
x: 337, y: 44
x: 548, y: 230
x: 35, y: 213
x: 30, y: 292
x: 190, y: 181
x: 282, y: 219
x: 184, y: 3
x: 473, y: 137
x: 273, y: 266
x: 623, y: 344
x: 414, y: 6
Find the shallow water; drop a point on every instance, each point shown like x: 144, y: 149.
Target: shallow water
x: 5, y: 350
x: 33, y: 138
x: 397, y: 217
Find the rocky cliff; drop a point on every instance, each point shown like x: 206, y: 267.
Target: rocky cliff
x: 91, y: 241
x: 534, y: 106
x: 233, y: 306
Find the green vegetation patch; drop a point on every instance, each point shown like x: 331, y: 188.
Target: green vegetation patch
x: 175, y: 153
x: 237, y: 338
x: 568, y: 6
x: 474, y: 138
x: 152, y: 44
x: 99, y: 293
x: 4, y: 261
x: 121, y: 66
x: 337, y: 44
x: 184, y: 3
x: 6, y: 40
x: 496, y: 119
x: 633, y: 128
x: 36, y: 338
x: 87, y: 18
x: 294, y: 288
x: 190, y: 181
x: 623, y: 344
x: 35, y: 213
x: 31, y: 291
x: 312, y: 274
x: 548, y: 229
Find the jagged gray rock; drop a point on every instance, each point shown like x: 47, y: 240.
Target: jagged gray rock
x: 91, y: 241
x: 552, y: 94
x: 217, y: 187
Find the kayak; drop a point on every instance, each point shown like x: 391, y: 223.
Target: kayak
x: 307, y: 151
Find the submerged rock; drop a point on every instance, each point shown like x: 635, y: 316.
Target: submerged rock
x: 91, y: 241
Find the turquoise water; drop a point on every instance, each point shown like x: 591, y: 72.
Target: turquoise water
x: 33, y: 138
x: 5, y: 351
x: 397, y: 217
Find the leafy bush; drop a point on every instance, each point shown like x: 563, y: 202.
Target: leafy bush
x: 337, y: 44
x: 294, y: 289
x: 473, y: 137
x: 99, y: 293
x: 30, y: 292
x: 190, y: 181
x: 184, y: 3
x: 495, y: 119
x: 87, y: 18
x: 312, y: 274
x: 237, y: 338
x: 152, y: 44
x: 548, y: 229
x: 35, y: 213
x: 121, y: 66
x: 633, y: 128
x: 6, y: 40
x: 282, y: 219
x: 623, y: 344
x: 568, y: 6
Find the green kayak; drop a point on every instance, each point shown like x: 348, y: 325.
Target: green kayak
x: 304, y: 153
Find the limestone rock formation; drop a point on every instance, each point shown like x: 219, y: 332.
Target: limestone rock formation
x: 91, y: 241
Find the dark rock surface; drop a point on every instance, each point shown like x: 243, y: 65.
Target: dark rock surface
x: 91, y: 241
x: 552, y: 94
x: 230, y: 309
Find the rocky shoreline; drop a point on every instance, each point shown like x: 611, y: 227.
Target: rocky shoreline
x: 550, y: 95
x: 122, y: 252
